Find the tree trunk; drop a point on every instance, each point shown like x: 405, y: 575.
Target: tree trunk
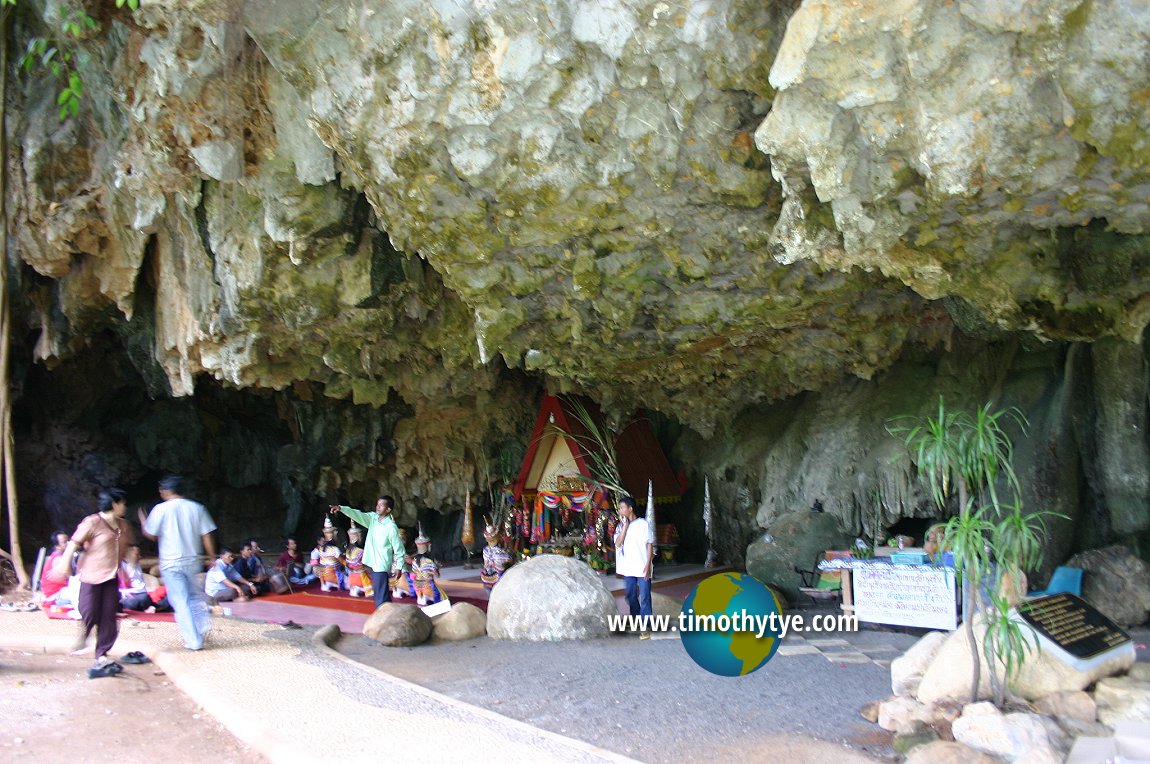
x: 6, y: 440
x: 968, y: 597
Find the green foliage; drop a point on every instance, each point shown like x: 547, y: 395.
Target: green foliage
x: 951, y: 447
x: 1005, y: 645
x: 934, y: 446
x: 1017, y: 538
x: 69, y: 98
x: 966, y: 536
x: 602, y: 460
x: 498, y: 501
x: 986, y: 450
x: 60, y: 55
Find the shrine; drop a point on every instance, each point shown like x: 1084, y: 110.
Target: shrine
x: 559, y: 505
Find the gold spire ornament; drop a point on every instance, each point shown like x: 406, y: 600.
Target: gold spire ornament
x: 467, y: 535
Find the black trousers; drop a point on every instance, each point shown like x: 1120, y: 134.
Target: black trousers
x: 380, y: 587
x: 99, y: 604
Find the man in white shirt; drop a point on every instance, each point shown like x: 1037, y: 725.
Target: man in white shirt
x: 184, y: 529
x: 224, y: 583
x: 634, y: 550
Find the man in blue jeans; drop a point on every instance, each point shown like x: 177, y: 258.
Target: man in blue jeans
x: 634, y: 550
x: 184, y: 530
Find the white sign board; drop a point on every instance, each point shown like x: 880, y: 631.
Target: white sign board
x: 906, y: 595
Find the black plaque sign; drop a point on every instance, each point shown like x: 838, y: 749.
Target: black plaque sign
x: 1073, y: 624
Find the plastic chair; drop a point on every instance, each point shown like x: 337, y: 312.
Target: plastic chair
x: 820, y: 585
x: 1065, y: 580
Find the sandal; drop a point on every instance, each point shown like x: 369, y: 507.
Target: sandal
x: 108, y: 669
x: 136, y: 657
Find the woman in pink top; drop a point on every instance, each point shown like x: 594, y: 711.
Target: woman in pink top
x: 50, y: 586
x: 104, y: 537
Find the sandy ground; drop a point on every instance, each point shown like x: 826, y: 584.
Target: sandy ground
x: 51, y: 711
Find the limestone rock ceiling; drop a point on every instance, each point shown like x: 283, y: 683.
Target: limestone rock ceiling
x: 692, y: 205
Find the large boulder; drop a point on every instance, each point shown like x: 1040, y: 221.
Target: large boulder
x: 798, y: 540
x: 396, y: 625
x: 547, y: 598
x: 906, y: 670
x: 1116, y: 582
x: 1041, y: 674
x: 463, y: 621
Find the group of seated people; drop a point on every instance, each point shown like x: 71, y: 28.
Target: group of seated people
x: 239, y: 578
x: 232, y: 578
x: 137, y: 591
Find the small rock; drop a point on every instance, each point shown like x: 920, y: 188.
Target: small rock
x: 1122, y: 698
x: 901, y: 715
x: 1041, y: 756
x: 396, y: 625
x: 985, y: 728
x: 947, y: 753
x: 1068, y: 705
x: 463, y: 621
x: 1140, y: 672
x: 870, y: 711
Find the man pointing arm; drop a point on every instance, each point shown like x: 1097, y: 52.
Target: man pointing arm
x: 383, y: 548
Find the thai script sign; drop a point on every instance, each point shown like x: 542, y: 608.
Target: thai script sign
x: 922, y: 596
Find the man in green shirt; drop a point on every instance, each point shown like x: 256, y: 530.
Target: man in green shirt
x: 383, y: 549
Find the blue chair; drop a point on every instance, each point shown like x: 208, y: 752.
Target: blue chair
x: 1064, y: 581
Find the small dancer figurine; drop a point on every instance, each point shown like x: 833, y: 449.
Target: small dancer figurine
x: 400, y: 580
x: 358, y: 576
x: 424, y: 571
x: 326, y: 558
x: 496, y: 559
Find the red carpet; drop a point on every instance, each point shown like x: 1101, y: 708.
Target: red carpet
x: 62, y: 615
x: 341, y: 601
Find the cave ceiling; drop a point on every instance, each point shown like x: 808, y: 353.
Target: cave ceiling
x: 690, y: 206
